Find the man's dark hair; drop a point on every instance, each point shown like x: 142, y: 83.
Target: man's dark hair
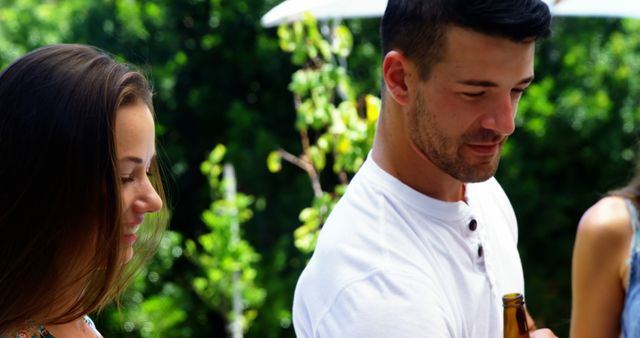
x: 417, y: 27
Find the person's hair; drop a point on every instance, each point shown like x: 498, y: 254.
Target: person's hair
x: 60, y: 206
x: 417, y: 28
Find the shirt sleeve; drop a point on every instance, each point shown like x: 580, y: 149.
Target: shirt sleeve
x: 383, y: 306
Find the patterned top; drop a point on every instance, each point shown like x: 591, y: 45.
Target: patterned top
x: 629, y: 322
x: 39, y: 331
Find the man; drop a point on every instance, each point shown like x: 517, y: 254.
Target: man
x: 424, y: 242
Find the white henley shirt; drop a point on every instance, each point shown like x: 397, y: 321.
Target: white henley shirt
x: 391, y: 262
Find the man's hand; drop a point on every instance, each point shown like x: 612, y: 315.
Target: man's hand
x: 542, y: 333
x: 533, y: 333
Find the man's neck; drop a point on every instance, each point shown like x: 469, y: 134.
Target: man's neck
x: 395, y: 154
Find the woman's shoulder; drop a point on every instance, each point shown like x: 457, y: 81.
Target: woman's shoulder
x: 91, y: 325
x: 33, y: 331
x: 39, y: 331
x: 607, y: 222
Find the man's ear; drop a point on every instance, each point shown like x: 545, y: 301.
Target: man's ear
x: 399, y: 77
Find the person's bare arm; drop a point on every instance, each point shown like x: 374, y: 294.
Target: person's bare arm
x: 599, y: 258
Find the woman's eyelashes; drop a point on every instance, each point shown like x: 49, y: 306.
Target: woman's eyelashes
x: 129, y: 178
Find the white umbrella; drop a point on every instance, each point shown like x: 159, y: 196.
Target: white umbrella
x: 598, y: 8
x: 292, y: 10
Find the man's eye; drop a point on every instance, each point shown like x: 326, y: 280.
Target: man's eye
x: 475, y: 94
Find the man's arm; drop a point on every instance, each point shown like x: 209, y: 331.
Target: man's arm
x: 383, y: 306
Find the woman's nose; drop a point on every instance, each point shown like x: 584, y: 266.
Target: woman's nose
x: 148, y: 200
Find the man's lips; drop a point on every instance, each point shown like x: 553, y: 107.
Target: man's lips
x: 488, y: 149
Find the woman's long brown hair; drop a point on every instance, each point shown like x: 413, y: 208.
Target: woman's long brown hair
x: 60, y: 208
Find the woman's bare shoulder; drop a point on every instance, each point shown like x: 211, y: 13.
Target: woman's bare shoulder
x: 607, y: 222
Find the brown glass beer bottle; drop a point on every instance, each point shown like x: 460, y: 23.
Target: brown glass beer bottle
x: 515, y: 319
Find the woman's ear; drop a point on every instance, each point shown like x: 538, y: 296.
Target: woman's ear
x: 399, y: 77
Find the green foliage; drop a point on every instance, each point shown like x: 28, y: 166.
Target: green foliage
x: 221, y: 252
x: 27, y: 24
x: 312, y: 217
x: 154, y: 306
x: 334, y: 127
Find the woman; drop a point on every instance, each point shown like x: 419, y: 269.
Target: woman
x: 606, y: 267
x: 77, y: 176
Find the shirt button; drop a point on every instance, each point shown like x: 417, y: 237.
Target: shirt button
x: 473, y: 225
x: 480, y: 250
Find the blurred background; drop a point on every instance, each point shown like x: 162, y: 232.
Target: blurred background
x: 291, y: 111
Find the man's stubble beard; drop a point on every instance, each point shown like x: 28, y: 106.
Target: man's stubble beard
x: 444, y: 151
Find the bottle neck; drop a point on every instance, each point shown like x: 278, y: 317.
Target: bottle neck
x: 513, y: 300
x: 515, y: 318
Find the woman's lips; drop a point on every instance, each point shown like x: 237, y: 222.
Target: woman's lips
x: 130, y: 233
x: 129, y: 239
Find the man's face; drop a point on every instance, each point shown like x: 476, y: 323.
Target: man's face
x: 464, y: 112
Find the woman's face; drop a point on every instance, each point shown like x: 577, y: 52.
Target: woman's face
x: 135, y: 150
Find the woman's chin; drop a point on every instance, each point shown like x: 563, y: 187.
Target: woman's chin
x: 128, y: 255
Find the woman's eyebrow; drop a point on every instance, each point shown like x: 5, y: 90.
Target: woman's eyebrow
x: 134, y: 159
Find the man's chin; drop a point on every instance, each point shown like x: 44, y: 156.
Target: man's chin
x: 477, y: 173
x: 477, y: 179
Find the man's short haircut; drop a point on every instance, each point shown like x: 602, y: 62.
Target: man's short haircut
x: 417, y: 27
